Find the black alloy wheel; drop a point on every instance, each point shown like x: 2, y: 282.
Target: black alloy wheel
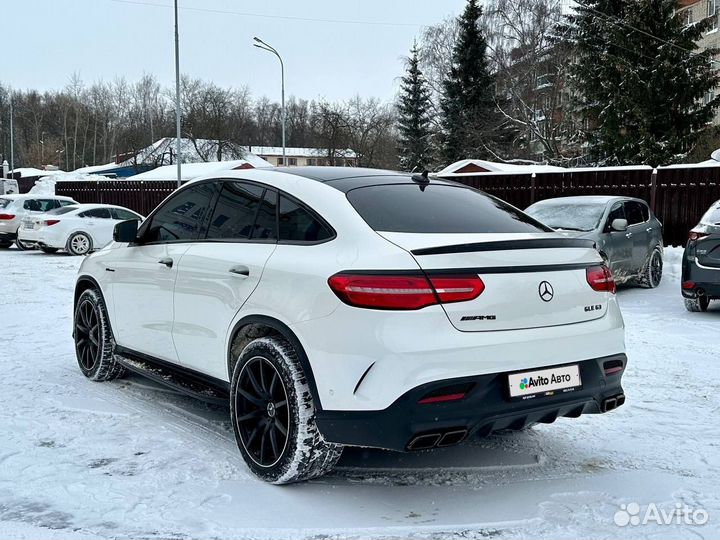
x: 263, y: 415
x: 87, y: 335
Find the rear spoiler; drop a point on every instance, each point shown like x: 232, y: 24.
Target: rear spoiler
x: 505, y: 245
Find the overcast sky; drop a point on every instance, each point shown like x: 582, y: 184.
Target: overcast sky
x: 45, y: 41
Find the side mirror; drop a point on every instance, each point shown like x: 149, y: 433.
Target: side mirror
x: 619, y: 225
x: 126, y: 231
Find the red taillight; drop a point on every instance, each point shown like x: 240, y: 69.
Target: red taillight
x: 442, y: 398
x: 387, y: 291
x: 600, y: 279
x: 693, y: 235
x: 7, y: 216
x: 49, y: 222
x: 687, y: 285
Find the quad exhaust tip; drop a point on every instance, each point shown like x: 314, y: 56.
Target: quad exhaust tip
x: 612, y: 403
x: 437, y: 440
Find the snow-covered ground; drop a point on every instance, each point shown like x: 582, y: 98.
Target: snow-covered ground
x: 130, y: 459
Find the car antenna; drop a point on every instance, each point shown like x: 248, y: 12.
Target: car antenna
x: 421, y: 178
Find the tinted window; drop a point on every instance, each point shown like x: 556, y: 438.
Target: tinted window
x: 183, y: 216
x: 64, y: 203
x: 122, y: 214
x: 568, y: 216
x: 63, y: 210
x: 235, y: 211
x: 99, y: 213
x: 438, y: 209
x: 4, y: 203
x: 634, y: 213
x: 39, y: 205
x: 298, y: 224
x: 266, y: 223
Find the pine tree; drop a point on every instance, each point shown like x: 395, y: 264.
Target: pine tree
x: 470, y: 116
x: 642, y: 80
x: 414, y: 104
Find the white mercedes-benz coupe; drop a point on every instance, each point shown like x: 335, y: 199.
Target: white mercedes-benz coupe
x: 347, y: 306
x: 78, y: 228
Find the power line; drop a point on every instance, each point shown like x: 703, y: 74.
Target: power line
x: 265, y: 16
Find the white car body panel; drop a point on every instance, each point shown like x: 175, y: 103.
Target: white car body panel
x: 15, y: 208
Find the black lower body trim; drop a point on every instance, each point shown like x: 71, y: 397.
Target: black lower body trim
x: 487, y: 407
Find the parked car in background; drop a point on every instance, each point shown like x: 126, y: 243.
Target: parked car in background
x: 78, y: 229
x: 8, y: 186
x: 15, y: 208
x: 626, y: 232
x: 701, y: 262
x: 333, y: 306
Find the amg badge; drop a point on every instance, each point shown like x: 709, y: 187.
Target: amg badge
x: 479, y: 318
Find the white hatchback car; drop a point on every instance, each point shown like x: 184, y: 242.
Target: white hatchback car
x: 78, y: 229
x: 346, y: 306
x: 14, y: 208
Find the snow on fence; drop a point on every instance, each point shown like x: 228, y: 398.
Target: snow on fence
x: 678, y: 195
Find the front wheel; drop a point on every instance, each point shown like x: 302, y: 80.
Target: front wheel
x: 273, y: 414
x: 698, y: 304
x: 93, y: 338
x: 79, y: 244
x: 651, y: 274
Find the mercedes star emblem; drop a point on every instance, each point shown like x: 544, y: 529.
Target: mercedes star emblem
x: 546, y: 292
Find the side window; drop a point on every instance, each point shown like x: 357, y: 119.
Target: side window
x: 235, y: 212
x: 122, y: 214
x: 633, y: 211
x: 99, y: 213
x: 182, y: 217
x: 617, y: 212
x: 297, y: 224
x: 645, y: 211
x: 32, y: 205
x: 60, y: 204
x: 266, y: 223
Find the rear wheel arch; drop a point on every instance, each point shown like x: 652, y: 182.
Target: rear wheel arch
x: 252, y: 327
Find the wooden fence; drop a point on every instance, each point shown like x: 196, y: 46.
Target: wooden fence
x: 141, y: 196
x: 678, y: 196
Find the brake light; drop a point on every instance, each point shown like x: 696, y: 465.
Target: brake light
x: 7, y: 216
x: 600, y: 279
x: 389, y: 291
x: 693, y: 235
x: 49, y: 222
x: 687, y: 285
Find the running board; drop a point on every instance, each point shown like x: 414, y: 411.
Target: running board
x: 177, y: 378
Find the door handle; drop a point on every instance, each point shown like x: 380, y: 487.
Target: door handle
x: 167, y: 261
x: 628, y: 235
x: 240, y: 270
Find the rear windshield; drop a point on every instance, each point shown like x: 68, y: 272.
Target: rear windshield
x: 568, y: 216
x: 4, y: 203
x: 712, y: 217
x: 63, y: 210
x: 433, y: 208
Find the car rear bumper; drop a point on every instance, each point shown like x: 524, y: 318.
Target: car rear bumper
x: 39, y: 237
x: 486, y: 407
x: 705, y: 280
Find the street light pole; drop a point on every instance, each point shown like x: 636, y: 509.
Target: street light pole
x: 260, y: 44
x: 12, y: 141
x: 178, y: 131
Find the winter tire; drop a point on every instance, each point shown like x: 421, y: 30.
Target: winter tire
x: 5, y: 245
x: 94, y: 343
x: 79, y: 244
x: 651, y: 274
x: 49, y: 250
x: 273, y: 414
x: 698, y: 304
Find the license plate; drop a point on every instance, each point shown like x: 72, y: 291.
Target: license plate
x: 544, y: 382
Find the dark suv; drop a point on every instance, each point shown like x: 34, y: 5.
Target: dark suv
x: 701, y: 262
